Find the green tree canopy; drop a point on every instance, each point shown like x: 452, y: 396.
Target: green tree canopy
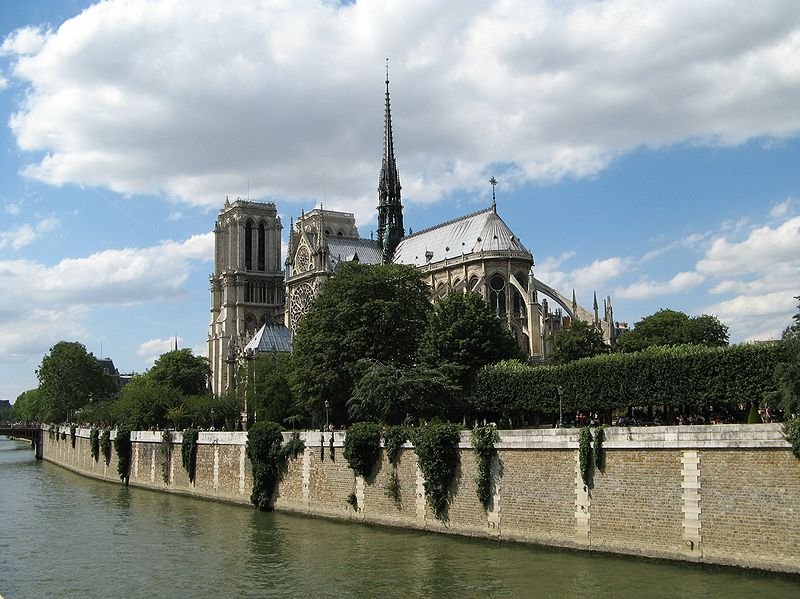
x: 462, y: 335
x: 268, y: 387
x: 144, y: 403
x: 670, y: 327
x: 183, y: 371
x: 364, y: 311
x: 792, y: 332
x: 69, y: 378
x: 30, y: 407
x: 391, y: 394
x: 578, y: 340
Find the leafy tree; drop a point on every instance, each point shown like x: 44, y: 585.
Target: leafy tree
x: 183, y: 371
x: 30, y: 407
x: 792, y: 332
x: 145, y: 403
x: 70, y: 378
x: 670, y: 327
x: 268, y: 387
x: 578, y: 340
x: 364, y: 311
x: 462, y: 336
x: 391, y: 394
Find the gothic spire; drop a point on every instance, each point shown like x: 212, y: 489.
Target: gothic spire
x: 390, y: 208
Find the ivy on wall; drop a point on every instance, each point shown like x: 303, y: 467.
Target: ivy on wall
x: 483, y: 440
x: 166, y: 455
x: 791, y: 430
x: 436, y: 446
x: 122, y: 445
x: 362, y: 447
x: 105, y: 446
x: 268, y: 459
x: 585, y: 454
x: 94, y: 443
x: 72, y: 435
x: 189, y: 452
x: 393, y: 439
x: 598, y: 454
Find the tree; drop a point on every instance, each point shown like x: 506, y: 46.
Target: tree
x: 364, y: 311
x: 462, y: 335
x: 183, y: 371
x: 268, y: 387
x: 69, y: 378
x: 145, y: 403
x: 670, y: 327
x: 29, y: 407
x: 390, y: 394
x: 792, y: 332
x: 578, y: 340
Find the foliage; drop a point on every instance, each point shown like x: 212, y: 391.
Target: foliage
x: 392, y: 394
x: 181, y: 370
x: 189, y: 451
x: 166, y: 454
x: 105, y: 446
x: 436, y: 446
x: 483, y: 440
x: 268, y: 388
x: 122, y: 445
x: 585, y: 453
x: 597, y: 447
x: 72, y: 431
x: 30, y: 406
x: 267, y: 459
x: 365, y: 311
x: 463, y: 334
x: 51, y: 432
x: 578, y: 340
x: 792, y: 332
x: 352, y: 501
x: 94, y: 443
x: 295, y: 446
x: 144, y: 403
x: 787, y: 378
x: 791, y: 430
x: 393, y: 486
x: 393, y: 439
x: 96, y: 412
x: 753, y: 417
x: 669, y: 327
x: 362, y: 447
x: 659, y: 376
x: 70, y: 378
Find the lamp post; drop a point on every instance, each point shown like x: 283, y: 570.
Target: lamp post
x: 326, y: 414
x: 560, y: 407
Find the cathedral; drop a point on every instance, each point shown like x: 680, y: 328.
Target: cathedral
x: 256, y: 306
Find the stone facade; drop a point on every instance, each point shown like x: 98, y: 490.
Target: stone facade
x: 723, y: 494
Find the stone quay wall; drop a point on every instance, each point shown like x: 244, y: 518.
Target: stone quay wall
x: 719, y: 494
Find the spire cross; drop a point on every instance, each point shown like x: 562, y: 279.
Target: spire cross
x: 493, y: 181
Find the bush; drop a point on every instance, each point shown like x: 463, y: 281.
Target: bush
x: 122, y: 445
x: 267, y: 459
x: 436, y: 446
x: 189, y: 452
x: 362, y: 447
x: 585, y: 454
x: 94, y: 443
x: 483, y: 440
x: 791, y: 430
x: 105, y: 446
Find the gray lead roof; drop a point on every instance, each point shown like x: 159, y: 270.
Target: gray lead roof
x: 271, y: 337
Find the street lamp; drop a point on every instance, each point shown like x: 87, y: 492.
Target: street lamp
x: 326, y: 414
x: 560, y: 407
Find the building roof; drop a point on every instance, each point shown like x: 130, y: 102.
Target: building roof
x: 269, y: 338
x: 481, y: 231
x: 345, y: 249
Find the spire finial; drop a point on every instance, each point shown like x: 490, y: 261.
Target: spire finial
x: 493, y: 181
x: 387, y: 73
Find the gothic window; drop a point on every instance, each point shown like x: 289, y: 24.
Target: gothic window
x: 473, y: 284
x: 248, y: 246
x: 302, y: 260
x: 262, y: 247
x: 497, y: 295
x: 301, y: 302
x: 250, y: 322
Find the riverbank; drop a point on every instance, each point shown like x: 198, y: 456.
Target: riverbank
x: 719, y: 494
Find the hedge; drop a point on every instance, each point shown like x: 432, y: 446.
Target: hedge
x: 686, y: 375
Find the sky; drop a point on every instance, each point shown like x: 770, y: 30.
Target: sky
x: 644, y: 150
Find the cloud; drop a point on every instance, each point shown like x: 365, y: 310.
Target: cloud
x: 26, y: 234
x: 783, y: 209
x: 3, y: 83
x: 13, y: 208
x: 683, y: 281
x: 756, y: 317
x: 596, y: 275
x: 153, y: 348
x: 117, y: 277
x: 192, y: 101
x: 24, y: 41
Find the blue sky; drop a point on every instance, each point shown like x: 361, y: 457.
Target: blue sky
x: 647, y: 151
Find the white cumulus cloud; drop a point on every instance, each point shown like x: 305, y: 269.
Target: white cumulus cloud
x: 683, y: 281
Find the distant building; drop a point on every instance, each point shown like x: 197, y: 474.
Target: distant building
x: 120, y: 380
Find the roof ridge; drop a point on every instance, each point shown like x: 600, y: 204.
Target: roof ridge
x: 449, y: 222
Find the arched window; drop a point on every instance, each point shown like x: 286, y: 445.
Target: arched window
x: 248, y: 246
x: 262, y: 247
x: 497, y: 295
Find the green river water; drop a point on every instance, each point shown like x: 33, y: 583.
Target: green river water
x: 64, y: 535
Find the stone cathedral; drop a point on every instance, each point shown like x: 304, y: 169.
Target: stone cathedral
x: 256, y: 306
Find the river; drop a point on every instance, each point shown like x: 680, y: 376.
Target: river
x: 64, y: 535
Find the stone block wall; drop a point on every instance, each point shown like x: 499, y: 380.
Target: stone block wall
x: 721, y: 494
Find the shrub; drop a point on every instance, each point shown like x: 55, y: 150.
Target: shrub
x: 597, y: 448
x: 436, y: 446
x: 483, y: 440
x: 189, y: 452
x: 105, y: 446
x: 791, y: 430
x: 94, y: 443
x: 585, y: 453
x: 362, y: 447
x: 122, y: 445
x: 267, y: 459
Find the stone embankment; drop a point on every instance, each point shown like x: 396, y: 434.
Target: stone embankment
x: 720, y: 494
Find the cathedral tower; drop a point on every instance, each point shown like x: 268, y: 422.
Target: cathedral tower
x: 390, y: 208
x: 247, y: 284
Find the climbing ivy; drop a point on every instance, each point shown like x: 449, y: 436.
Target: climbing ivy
x: 94, y: 443
x: 362, y: 447
x: 51, y: 432
x: 105, y: 446
x: 166, y: 455
x: 585, y: 453
x: 122, y: 445
x: 393, y: 439
x: 268, y: 460
x: 436, y: 446
x: 72, y: 435
x: 352, y: 501
x: 189, y: 452
x: 483, y: 440
x: 791, y: 430
x: 294, y: 446
x: 597, y: 447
